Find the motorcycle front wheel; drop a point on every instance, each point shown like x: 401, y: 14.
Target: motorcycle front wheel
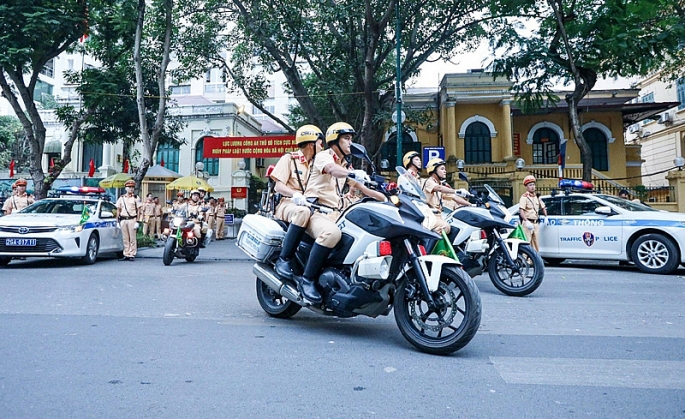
x: 274, y: 304
x: 190, y: 257
x: 448, y: 326
x: 169, y: 249
x: 519, y: 283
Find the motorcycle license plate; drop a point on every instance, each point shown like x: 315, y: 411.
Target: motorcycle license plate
x: 20, y: 242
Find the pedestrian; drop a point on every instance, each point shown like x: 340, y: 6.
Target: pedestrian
x: 148, y: 216
x: 129, y: 212
x: 220, y: 218
x: 158, y: 218
x: 530, y: 206
x: 19, y: 199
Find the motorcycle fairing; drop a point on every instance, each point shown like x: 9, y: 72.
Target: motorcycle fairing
x: 432, y: 267
x: 513, y: 246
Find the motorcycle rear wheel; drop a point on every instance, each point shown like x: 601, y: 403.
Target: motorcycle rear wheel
x: 169, y: 249
x: 452, y: 325
x: 521, y: 283
x: 274, y: 304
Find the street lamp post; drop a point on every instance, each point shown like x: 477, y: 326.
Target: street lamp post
x: 398, y: 84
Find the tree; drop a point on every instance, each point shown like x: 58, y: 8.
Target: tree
x: 338, y: 57
x: 31, y: 34
x: 13, y: 143
x: 578, y: 40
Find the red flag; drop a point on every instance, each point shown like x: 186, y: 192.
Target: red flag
x: 91, y: 170
x: 52, y: 162
x: 162, y: 162
x: 125, y: 170
x: 12, y: 168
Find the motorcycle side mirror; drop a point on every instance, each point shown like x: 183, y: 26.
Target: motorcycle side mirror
x: 463, y: 177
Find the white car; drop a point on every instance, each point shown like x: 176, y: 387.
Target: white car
x: 59, y: 227
x: 605, y: 227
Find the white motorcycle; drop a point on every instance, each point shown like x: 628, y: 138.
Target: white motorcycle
x: 378, y: 265
x: 514, y: 267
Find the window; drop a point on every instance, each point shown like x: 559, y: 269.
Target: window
x: 42, y: 89
x: 168, y: 153
x: 180, y: 90
x: 598, y: 145
x: 680, y: 89
x: 580, y: 205
x: 91, y: 151
x: 648, y: 98
x: 211, y: 165
x: 545, y: 146
x: 215, y: 81
x: 49, y: 69
x: 477, y: 147
x: 553, y: 205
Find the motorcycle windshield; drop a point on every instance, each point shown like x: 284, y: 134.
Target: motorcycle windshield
x: 408, y: 184
x: 492, y: 195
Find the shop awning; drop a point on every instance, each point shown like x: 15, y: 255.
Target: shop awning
x: 53, y: 147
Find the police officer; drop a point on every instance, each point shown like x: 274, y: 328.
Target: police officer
x: 128, y: 214
x: 211, y: 213
x: 193, y: 209
x: 158, y: 218
x: 329, y: 174
x: 19, y: 199
x: 530, y: 207
x: 291, y: 175
x: 412, y: 162
x: 148, y: 216
x: 434, y: 188
x: 220, y: 218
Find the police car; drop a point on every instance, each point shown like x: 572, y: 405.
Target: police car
x: 79, y: 223
x: 605, y: 227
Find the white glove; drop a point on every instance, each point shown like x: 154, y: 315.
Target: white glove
x: 462, y: 193
x: 299, y: 199
x: 529, y: 225
x: 136, y: 225
x: 358, y: 176
x: 544, y: 221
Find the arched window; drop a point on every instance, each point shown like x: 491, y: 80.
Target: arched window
x: 91, y: 151
x: 389, y: 147
x: 545, y: 146
x: 211, y: 165
x: 598, y: 145
x: 477, y: 143
x: 168, y: 153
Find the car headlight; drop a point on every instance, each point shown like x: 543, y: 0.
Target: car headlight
x: 71, y: 229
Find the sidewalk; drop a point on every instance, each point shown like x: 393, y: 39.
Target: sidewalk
x: 217, y: 250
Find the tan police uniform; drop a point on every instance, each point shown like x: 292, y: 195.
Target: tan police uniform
x: 158, y: 220
x: 220, y: 220
x: 178, y: 202
x: 148, y: 220
x: 293, y: 171
x: 128, y: 209
x: 193, y: 211
x: 17, y: 203
x: 529, y: 209
x: 329, y: 193
x: 211, y: 216
x: 435, y: 202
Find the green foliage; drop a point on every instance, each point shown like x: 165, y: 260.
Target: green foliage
x: 144, y: 241
x: 12, y: 144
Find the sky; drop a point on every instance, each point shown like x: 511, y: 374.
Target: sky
x: 432, y: 73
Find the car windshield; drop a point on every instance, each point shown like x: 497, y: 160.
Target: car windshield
x: 408, y: 184
x: 59, y: 206
x: 626, y: 204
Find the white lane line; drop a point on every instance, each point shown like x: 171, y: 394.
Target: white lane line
x: 592, y: 372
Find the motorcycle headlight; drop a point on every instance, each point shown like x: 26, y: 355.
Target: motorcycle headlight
x: 70, y: 229
x: 178, y: 221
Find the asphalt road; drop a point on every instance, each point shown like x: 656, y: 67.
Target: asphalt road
x: 141, y: 340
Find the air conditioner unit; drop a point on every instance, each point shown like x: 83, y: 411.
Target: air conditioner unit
x: 634, y: 129
x: 664, y: 117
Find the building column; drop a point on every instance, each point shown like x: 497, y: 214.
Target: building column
x: 450, y: 140
x: 506, y: 145
x: 107, y: 168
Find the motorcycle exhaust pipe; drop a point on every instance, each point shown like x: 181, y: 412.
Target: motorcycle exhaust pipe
x: 267, y: 275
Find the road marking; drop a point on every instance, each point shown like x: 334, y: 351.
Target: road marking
x: 592, y: 372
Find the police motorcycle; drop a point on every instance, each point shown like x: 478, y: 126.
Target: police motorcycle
x: 378, y: 265
x: 181, y: 241
x: 514, y: 267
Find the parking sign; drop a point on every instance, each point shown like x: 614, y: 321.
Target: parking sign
x: 433, y: 153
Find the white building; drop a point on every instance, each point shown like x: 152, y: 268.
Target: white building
x: 663, y: 137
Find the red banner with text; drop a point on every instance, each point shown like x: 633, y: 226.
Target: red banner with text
x: 241, y: 147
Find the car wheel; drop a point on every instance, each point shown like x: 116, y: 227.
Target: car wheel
x: 5, y: 261
x: 655, y: 254
x: 91, y: 250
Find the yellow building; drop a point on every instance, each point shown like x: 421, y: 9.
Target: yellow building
x: 477, y: 122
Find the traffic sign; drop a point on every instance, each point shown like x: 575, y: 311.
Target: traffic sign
x: 430, y: 153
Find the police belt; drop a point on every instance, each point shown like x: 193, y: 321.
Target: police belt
x: 315, y: 201
x: 126, y: 218
x: 534, y: 221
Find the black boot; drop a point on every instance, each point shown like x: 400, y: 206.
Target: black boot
x: 306, y: 283
x: 292, y: 238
